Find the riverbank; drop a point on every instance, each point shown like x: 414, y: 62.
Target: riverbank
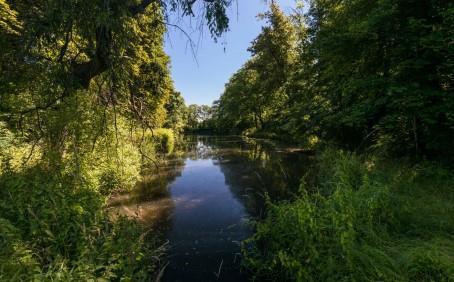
x: 54, y: 218
x: 360, y: 218
x: 53, y: 228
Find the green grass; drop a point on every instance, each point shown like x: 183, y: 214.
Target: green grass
x: 360, y: 219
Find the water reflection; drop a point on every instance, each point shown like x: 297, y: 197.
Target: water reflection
x: 204, y: 196
x: 150, y: 202
x: 253, y: 168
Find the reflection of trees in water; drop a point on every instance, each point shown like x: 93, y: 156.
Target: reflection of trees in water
x: 150, y: 200
x: 211, y: 147
x: 251, y: 179
x: 197, y: 147
x: 253, y: 168
x: 154, y: 183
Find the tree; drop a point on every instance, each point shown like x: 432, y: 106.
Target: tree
x: 89, y: 37
x: 192, y: 116
x: 65, y: 64
x: 376, y: 73
x: 176, y: 109
x: 253, y: 98
x: 198, y: 116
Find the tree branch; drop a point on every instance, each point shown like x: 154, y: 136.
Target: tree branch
x: 140, y: 8
x: 48, y: 105
x: 84, y: 72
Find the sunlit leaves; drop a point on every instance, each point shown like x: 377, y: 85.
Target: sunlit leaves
x: 253, y: 97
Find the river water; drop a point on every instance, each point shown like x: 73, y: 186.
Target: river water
x: 204, y: 197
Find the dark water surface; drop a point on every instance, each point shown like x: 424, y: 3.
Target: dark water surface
x: 205, y: 196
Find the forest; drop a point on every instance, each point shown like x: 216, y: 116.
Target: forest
x: 88, y: 109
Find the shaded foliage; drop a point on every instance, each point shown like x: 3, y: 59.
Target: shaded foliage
x: 363, y: 74
x: 362, y: 220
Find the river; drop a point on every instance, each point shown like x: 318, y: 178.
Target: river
x: 204, y: 197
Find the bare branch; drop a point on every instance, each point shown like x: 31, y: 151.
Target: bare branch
x: 191, y: 42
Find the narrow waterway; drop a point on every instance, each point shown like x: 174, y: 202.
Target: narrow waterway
x: 206, y: 195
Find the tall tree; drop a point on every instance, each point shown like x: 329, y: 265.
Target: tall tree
x: 66, y: 63
x: 393, y: 86
x: 176, y: 109
x: 255, y: 92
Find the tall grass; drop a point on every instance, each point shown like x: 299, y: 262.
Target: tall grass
x: 360, y: 220
x: 54, y: 229
x: 54, y: 225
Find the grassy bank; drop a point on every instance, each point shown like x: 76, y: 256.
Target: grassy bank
x: 54, y: 223
x: 53, y: 229
x: 360, y: 219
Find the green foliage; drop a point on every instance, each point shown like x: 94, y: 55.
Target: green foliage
x: 109, y: 181
x: 253, y: 98
x: 360, y: 221
x: 9, y: 23
x: 164, y: 139
x: 54, y: 228
x: 362, y: 74
x: 69, y: 70
x: 200, y: 117
x: 52, y: 209
x: 390, y: 90
x: 176, y: 112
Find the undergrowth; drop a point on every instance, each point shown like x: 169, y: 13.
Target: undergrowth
x: 54, y: 225
x: 360, y: 220
x: 52, y: 228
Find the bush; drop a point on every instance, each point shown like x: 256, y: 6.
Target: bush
x: 357, y: 226
x: 428, y: 264
x: 13, y: 151
x: 164, y: 140
x: 113, y: 164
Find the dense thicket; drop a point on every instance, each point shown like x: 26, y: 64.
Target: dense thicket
x: 362, y: 73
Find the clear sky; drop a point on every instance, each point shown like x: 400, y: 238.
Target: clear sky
x: 201, y: 77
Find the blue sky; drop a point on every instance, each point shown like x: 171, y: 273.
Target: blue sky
x: 200, y: 74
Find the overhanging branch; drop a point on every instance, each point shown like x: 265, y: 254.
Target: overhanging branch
x: 140, y: 8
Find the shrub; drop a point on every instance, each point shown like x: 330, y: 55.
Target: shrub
x: 426, y: 264
x: 113, y: 164
x: 164, y: 140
